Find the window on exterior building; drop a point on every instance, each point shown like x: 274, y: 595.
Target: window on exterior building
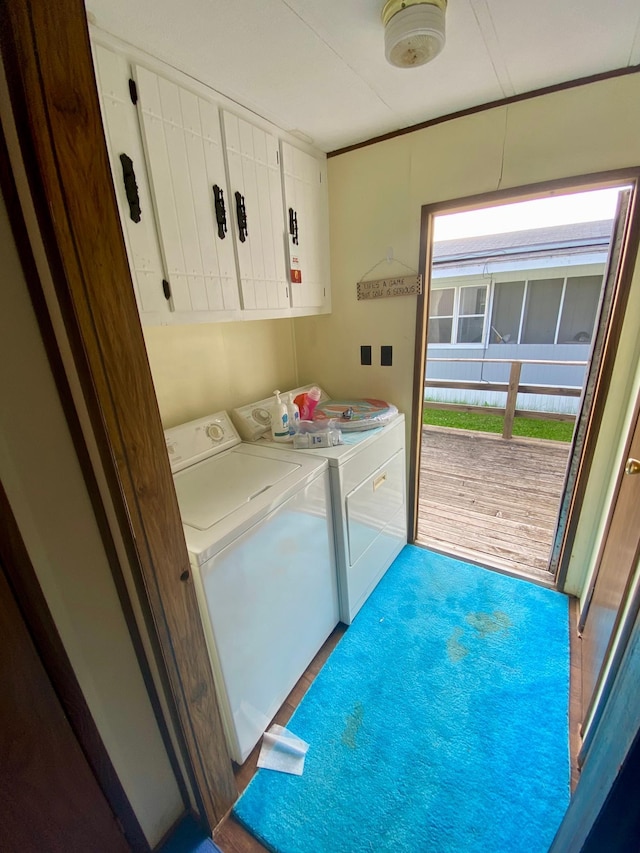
x: 507, y: 311
x: 545, y: 311
x: 472, y: 305
x: 441, y: 315
x: 457, y: 314
x: 535, y: 311
x: 542, y: 305
x: 579, y: 309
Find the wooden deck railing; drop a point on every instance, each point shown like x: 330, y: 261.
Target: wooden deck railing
x: 512, y: 389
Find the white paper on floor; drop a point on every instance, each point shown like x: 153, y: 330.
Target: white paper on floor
x: 283, y: 751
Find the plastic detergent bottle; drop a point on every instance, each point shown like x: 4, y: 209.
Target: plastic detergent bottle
x: 294, y: 415
x: 280, y: 420
x: 309, y: 404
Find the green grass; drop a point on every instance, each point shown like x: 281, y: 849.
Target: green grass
x: 522, y: 427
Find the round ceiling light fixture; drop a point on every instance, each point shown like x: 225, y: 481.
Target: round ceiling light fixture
x: 413, y: 31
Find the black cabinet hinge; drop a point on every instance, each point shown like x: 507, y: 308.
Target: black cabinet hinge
x: 241, y: 216
x: 133, y: 91
x: 293, y: 226
x: 166, y: 289
x: 131, y: 187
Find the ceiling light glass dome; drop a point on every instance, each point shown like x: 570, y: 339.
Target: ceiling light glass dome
x: 414, y: 31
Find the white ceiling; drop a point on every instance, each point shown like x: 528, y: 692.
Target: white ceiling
x: 317, y: 66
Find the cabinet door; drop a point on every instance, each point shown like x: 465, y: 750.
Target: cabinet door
x: 258, y: 216
x: 123, y: 137
x: 305, y: 193
x: 183, y: 144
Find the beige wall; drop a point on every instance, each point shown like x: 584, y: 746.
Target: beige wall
x: 206, y: 368
x: 376, y: 194
x: 41, y: 475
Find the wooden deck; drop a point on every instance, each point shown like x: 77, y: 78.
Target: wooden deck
x: 491, y: 501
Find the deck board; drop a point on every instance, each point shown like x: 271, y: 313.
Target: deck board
x: 491, y: 501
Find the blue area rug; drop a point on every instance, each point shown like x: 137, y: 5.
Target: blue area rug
x: 439, y: 723
x: 189, y: 837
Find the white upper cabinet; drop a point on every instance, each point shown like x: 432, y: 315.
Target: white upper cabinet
x: 139, y: 226
x: 223, y: 220
x: 184, y: 151
x: 258, y: 220
x: 306, y: 215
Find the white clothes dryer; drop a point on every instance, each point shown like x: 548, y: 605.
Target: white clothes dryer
x: 368, y: 496
x: 257, y: 524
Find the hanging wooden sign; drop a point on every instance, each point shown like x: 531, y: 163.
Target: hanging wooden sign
x: 380, y: 288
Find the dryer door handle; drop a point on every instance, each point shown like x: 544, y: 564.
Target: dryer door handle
x: 379, y: 481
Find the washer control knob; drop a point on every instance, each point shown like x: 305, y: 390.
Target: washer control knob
x: 262, y: 416
x: 215, y: 432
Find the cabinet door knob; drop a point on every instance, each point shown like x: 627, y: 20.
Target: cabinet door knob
x: 241, y: 213
x: 221, y: 213
x: 131, y: 187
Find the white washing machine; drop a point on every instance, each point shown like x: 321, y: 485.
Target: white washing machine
x: 368, y: 497
x: 257, y: 523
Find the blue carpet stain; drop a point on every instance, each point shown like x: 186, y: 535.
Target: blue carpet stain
x: 487, y: 623
x: 354, y: 721
x: 439, y: 723
x: 455, y: 649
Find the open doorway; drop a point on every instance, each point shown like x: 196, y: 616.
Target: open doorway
x: 514, y: 326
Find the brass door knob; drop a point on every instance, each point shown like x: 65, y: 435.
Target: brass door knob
x: 632, y: 466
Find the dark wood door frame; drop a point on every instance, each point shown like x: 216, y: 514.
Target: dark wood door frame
x: 629, y: 251
x: 47, y: 61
